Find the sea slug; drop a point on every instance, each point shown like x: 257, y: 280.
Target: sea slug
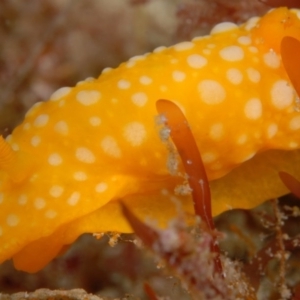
x: 64, y: 168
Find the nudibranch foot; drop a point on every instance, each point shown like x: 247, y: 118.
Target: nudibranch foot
x: 109, y: 217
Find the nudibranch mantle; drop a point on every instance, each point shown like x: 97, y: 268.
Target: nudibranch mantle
x: 64, y: 168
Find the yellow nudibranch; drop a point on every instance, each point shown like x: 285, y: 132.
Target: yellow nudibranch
x: 63, y: 170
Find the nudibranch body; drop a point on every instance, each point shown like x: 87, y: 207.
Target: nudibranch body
x: 65, y: 166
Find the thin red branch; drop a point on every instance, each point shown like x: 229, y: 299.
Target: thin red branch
x: 187, y: 148
x: 291, y: 183
x: 149, y: 291
x: 148, y: 235
x: 185, y: 143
